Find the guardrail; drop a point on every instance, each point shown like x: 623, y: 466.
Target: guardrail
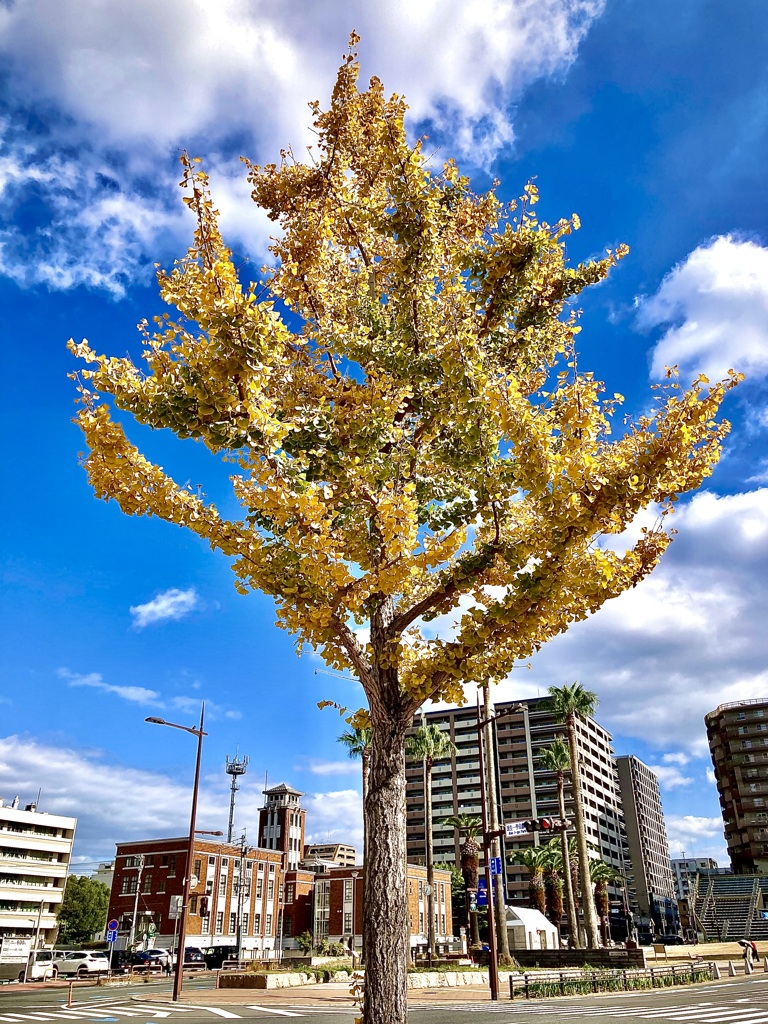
x: 544, y: 984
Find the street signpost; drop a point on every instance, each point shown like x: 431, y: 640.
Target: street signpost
x: 495, y: 865
x: 515, y: 828
x: 482, y: 893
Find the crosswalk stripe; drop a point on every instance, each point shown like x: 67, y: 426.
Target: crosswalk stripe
x: 279, y: 1013
x: 209, y: 1009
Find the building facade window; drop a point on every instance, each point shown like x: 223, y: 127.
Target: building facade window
x: 220, y: 922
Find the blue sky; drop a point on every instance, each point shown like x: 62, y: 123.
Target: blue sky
x: 645, y: 118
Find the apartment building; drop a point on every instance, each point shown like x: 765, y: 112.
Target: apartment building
x: 35, y: 851
x: 649, y: 871
x: 738, y: 743
x: 231, y: 885
x: 335, y: 853
x: 524, y: 789
x: 684, y: 869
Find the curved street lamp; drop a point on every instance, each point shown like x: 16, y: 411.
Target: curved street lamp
x: 179, y: 975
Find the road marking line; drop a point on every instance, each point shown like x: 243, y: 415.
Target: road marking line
x: 279, y: 1013
x: 209, y: 1009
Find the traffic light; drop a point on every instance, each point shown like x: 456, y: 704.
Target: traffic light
x: 546, y: 824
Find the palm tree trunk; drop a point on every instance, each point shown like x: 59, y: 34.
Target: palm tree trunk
x: 574, y: 939
x: 502, y: 935
x: 588, y: 907
x: 430, y: 860
x: 365, y: 758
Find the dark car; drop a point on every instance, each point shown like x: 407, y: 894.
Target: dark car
x: 144, y: 961
x: 193, y: 958
x: 216, y: 955
x: 121, y: 961
x: 672, y: 940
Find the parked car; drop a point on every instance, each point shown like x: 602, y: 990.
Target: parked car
x: 193, y: 957
x: 145, y: 960
x: 121, y: 961
x: 40, y: 967
x: 81, y: 963
x: 672, y: 940
x: 216, y: 955
x: 164, y: 956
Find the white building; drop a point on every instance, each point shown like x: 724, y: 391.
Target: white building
x: 684, y: 868
x: 35, y: 850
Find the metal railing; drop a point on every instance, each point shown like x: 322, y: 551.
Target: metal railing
x: 544, y: 984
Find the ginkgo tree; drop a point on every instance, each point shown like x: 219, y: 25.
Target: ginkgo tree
x: 409, y: 435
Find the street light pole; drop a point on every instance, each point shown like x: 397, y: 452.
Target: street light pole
x: 178, y: 980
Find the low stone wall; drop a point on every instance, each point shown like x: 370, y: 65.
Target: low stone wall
x: 274, y: 979
x: 447, y: 979
x: 620, y: 958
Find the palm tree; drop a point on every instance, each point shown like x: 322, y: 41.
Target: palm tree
x: 429, y: 744
x: 535, y: 859
x: 553, y: 882
x: 569, y: 703
x: 469, y: 827
x: 358, y: 744
x: 602, y: 875
x: 555, y: 758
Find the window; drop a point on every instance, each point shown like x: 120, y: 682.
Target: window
x: 232, y: 924
x: 164, y: 861
x: 271, y: 890
x: 271, y: 869
x: 193, y: 904
x: 746, y: 744
x: 146, y: 883
x: 244, y: 925
x: 259, y: 887
x: 198, y: 868
x: 149, y: 860
x: 347, y: 893
x: 172, y: 865
x: 347, y: 920
x: 256, y: 924
x: 128, y: 885
x: 289, y: 891
x: 220, y: 922
x: 211, y: 860
x: 269, y: 924
x: 288, y: 925
x: 222, y: 885
x: 161, y: 886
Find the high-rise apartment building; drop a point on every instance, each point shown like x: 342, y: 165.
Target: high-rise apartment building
x: 524, y: 789
x: 649, y: 870
x: 738, y: 743
x: 35, y: 850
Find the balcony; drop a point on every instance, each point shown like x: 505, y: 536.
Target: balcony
x: 30, y: 841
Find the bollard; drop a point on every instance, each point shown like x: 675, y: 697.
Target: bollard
x: 715, y: 971
x: 69, y: 996
x: 748, y: 968
x: 765, y: 965
x: 731, y: 969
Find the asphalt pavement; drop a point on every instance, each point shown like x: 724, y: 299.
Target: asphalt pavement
x: 729, y: 1001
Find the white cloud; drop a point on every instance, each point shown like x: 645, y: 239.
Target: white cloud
x: 335, y: 817
x: 135, y: 694
x: 696, y: 837
x: 669, y: 776
x: 330, y: 767
x: 223, y: 79
x: 170, y: 604
x: 690, y: 637
x: 716, y: 302
x: 676, y: 757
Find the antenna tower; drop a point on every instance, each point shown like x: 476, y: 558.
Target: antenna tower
x: 236, y: 767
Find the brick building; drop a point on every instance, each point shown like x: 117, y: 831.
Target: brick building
x: 234, y: 885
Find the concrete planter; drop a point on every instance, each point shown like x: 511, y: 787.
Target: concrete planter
x: 263, y: 981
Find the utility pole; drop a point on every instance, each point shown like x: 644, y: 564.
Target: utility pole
x: 132, y: 935
x: 240, y: 898
x: 502, y: 936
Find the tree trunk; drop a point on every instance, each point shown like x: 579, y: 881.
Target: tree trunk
x: 499, y: 904
x: 469, y: 869
x: 430, y: 859
x: 574, y: 940
x: 588, y: 907
x: 365, y: 758
x: 386, y: 907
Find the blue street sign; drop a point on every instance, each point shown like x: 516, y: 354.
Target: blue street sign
x: 112, y: 925
x: 112, y: 935
x: 495, y: 865
x: 482, y: 893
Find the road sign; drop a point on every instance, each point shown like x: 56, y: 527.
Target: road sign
x: 176, y: 907
x: 112, y: 925
x: 515, y: 828
x: 482, y: 893
x: 112, y: 935
x: 495, y: 865
x: 13, y: 950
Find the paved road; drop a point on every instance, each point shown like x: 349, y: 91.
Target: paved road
x: 727, y: 1002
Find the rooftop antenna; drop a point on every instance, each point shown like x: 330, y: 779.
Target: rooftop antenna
x: 236, y: 767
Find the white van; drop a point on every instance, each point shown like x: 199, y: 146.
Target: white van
x: 40, y: 966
